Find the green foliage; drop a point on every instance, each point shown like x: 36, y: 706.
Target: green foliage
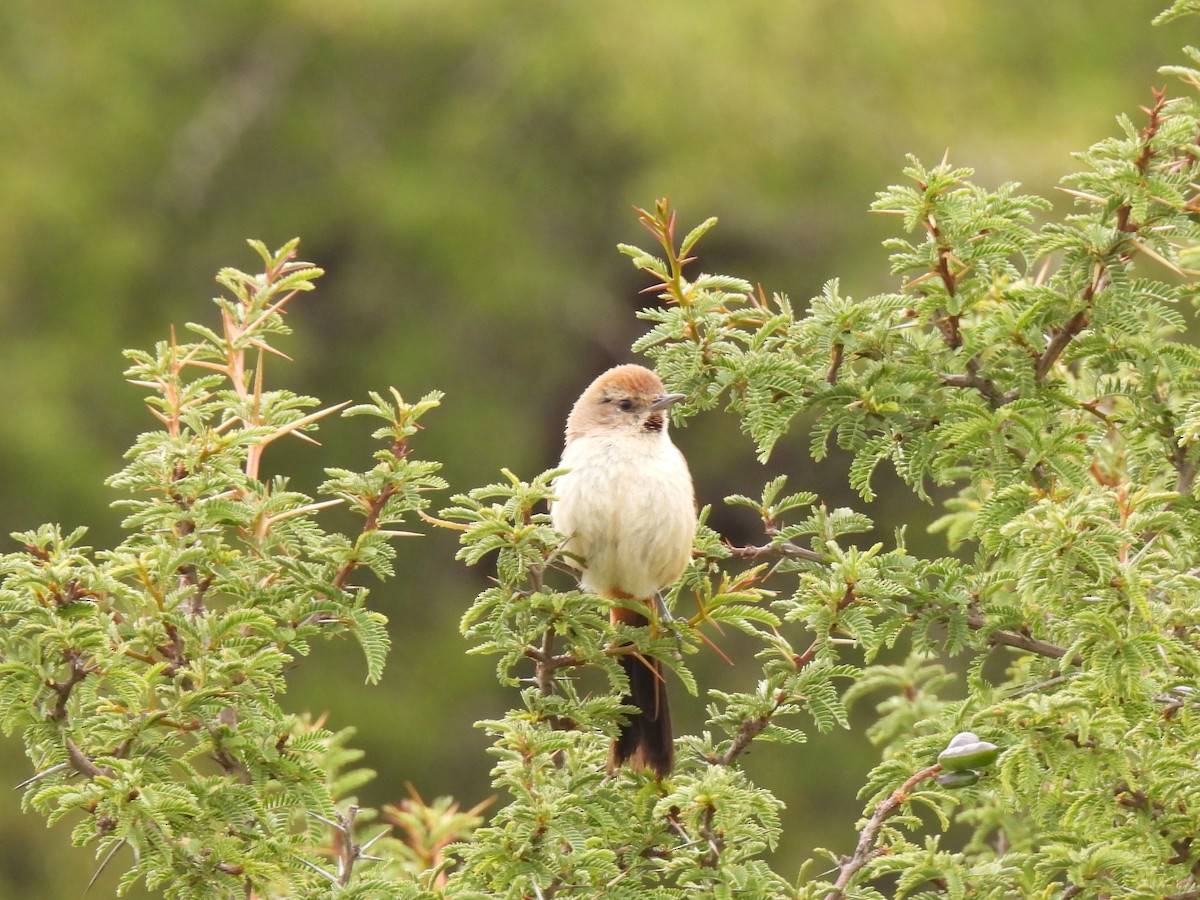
x: 1030, y: 373
x: 145, y: 679
x: 1033, y: 687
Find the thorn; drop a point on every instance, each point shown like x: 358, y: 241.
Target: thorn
x: 104, y: 864
x: 267, y: 348
x: 46, y: 773
x: 321, y: 818
x: 714, y: 647
x: 331, y: 878
x: 442, y: 523
x: 368, y: 844
x: 1091, y: 198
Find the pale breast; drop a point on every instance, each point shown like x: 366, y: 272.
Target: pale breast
x: 628, y: 508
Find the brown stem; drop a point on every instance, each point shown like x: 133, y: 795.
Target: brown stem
x: 749, y: 730
x: 370, y: 524
x: 836, y: 354
x: 1152, y: 125
x: 948, y: 326
x: 231, y: 765
x: 82, y: 763
x: 172, y: 651
x: 975, y: 620
x: 1062, y: 337
x: 193, y: 606
x: 752, y: 728
x: 715, y: 841
x: 544, y: 665
x: 783, y: 548
x: 985, y: 386
x: 1021, y: 641
x: 38, y: 552
x: 79, y: 671
x: 865, y: 851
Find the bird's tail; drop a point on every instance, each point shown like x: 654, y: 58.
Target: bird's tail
x: 646, y: 741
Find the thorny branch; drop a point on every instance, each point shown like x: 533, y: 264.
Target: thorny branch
x: 783, y: 548
x: 1066, y: 333
x: 1019, y: 639
x: 985, y: 386
x: 752, y: 728
x: 345, y: 850
x: 79, y: 671
x: 865, y: 850
x: 82, y: 763
x: 747, y: 732
x: 714, y: 840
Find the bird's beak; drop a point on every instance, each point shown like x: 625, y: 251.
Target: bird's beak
x: 666, y: 400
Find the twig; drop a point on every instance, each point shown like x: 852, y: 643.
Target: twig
x: 1074, y: 325
x: 747, y: 732
x: 82, y: 763
x: 346, y: 850
x: 865, y: 850
x: 836, y: 355
x: 543, y: 663
x: 985, y: 386
x: 975, y: 620
x: 400, y: 450
x: 1063, y: 336
x: 752, y: 728
x: 714, y: 841
x: 63, y: 689
x: 783, y: 548
x: 104, y: 864
x: 1020, y: 641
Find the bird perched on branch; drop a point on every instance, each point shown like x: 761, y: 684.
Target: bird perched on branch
x: 628, y: 510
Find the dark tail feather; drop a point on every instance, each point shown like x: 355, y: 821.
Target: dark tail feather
x: 646, y: 742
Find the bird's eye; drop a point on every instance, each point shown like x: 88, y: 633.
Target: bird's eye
x: 626, y: 405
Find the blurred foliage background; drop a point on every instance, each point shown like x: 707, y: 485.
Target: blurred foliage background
x: 463, y: 171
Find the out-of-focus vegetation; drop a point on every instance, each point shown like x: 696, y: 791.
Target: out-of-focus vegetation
x: 463, y: 172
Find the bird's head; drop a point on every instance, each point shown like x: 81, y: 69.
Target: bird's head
x: 624, y: 400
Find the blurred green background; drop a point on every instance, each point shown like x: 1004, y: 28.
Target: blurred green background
x: 463, y: 171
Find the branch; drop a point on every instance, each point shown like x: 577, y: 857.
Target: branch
x: 836, y: 355
x: 783, y: 548
x: 1064, y: 335
x: 712, y: 837
x: 975, y: 620
x: 1058, y: 343
x: 752, y: 728
x: 749, y: 730
x: 865, y: 851
x: 985, y: 386
x: 64, y: 688
x: 1074, y: 325
x: 1020, y: 641
x: 544, y: 664
x: 82, y: 763
x: 345, y: 849
x: 399, y: 449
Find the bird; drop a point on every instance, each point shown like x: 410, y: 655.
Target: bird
x: 626, y: 506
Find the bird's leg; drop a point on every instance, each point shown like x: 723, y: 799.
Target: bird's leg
x: 663, y: 612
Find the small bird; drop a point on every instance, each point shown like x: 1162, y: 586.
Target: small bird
x: 628, y: 510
